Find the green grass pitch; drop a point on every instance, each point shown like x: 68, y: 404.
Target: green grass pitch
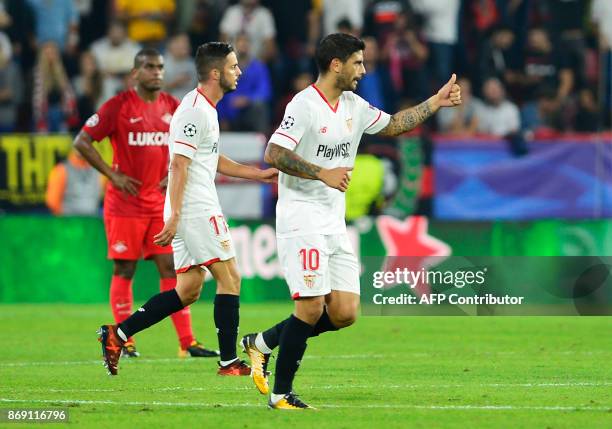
x: 390, y: 372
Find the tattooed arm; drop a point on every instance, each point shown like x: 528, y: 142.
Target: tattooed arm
x: 449, y: 95
x: 291, y: 163
x: 408, y: 119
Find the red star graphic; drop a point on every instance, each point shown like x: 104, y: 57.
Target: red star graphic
x: 410, y: 238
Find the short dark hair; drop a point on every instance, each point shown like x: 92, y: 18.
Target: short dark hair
x: 209, y: 56
x: 337, y: 45
x: 139, y: 59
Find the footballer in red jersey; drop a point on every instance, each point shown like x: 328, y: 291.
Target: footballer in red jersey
x: 137, y: 122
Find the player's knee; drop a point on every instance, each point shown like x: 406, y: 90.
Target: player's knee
x: 191, y: 296
x: 344, y: 317
x: 345, y: 320
x: 125, y: 269
x: 309, y: 311
x: 189, y: 293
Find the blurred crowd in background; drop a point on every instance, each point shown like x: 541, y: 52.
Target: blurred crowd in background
x: 535, y: 66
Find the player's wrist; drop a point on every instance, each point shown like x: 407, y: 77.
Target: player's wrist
x: 434, y: 102
x: 321, y: 174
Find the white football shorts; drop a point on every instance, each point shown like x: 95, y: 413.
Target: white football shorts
x: 314, y: 265
x: 201, y: 242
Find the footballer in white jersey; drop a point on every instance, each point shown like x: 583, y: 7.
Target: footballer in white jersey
x: 313, y: 246
x: 202, y: 236
x: 327, y: 136
x: 314, y: 148
x: 194, y: 223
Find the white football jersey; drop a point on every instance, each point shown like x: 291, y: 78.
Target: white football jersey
x: 326, y: 136
x: 194, y: 133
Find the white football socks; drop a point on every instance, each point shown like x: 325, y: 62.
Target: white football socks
x: 227, y: 362
x: 274, y: 397
x: 121, y: 334
x: 261, y: 344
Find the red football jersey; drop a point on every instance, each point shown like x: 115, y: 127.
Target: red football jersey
x: 138, y: 132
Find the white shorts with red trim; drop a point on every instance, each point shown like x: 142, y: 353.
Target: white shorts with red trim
x: 314, y: 265
x: 202, y: 242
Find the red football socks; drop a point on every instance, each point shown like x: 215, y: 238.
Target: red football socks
x: 121, y: 298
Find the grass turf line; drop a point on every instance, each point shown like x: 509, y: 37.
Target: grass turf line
x: 391, y: 371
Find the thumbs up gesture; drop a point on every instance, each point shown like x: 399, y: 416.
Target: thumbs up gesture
x: 450, y: 94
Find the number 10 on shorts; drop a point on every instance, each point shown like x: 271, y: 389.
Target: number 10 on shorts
x: 310, y: 259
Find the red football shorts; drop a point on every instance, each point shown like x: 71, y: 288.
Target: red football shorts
x: 131, y: 238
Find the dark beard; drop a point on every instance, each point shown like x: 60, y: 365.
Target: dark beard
x: 225, y: 85
x: 344, y: 84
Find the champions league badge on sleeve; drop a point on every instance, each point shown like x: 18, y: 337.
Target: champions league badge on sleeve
x: 190, y: 130
x: 287, y: 123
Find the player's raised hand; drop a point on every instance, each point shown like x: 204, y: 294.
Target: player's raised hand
x: 269, y: 175
x: 450, y: 94
x: 337, y: 178
x: 165, y: 236
x: 125, y: 183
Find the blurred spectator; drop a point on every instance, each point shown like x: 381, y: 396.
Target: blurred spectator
x: 335, y: 11
x: 543, y: 65
x: 94, y: 17
x: 5, y: 18
x: 297, y: 26
x: 566, y: 25
x: 483, y: 15
x: 500, y: 117
x: 497, y: 115
x: 11, y: 86
x: 462, y: 119
x: 89, y: 86
x: 54, y: 103
x: 601, y: 14
x: 297, y: 31
x: 246, y: 108
x: 19, y: 25
x: 114, y: 56
x: 204, y: 23
x: 115, y: 52
x: 345, y: 26
x: 515, y: 14
x: 441, y: 20
x: 254, y: 20
x: 588, y: 112
x: 497, y: 55
x: 376, y: 86
x: 57, y: 21
x: 147, y: 20
x: 180, y: 76
x: 299, y: 83
x: 407, y: 53
x: 74, y: 187
x: 544, y: 114
x: 380, y: 17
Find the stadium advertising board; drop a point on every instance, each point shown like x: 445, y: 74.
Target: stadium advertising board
x: 546, y: 248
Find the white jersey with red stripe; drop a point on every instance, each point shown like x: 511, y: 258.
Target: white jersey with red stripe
x: 327, y: 136
x: 194, y: 133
